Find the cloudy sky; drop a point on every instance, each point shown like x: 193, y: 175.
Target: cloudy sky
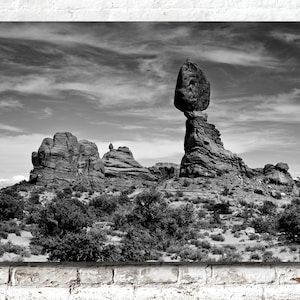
x: 114, y: 82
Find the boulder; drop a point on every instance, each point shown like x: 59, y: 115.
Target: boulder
x: 64, y: 161
x: 120, y: 162
x: 282, y: 167
x: 192, y: 92
x: 278, y: 174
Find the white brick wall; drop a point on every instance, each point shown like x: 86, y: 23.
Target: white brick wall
x: 150, y: 10
x: 139, y: 282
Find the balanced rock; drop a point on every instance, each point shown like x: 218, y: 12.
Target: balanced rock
x: 120, y: 162
x: 192, y: 92
x: 278, y: 174
x: 64, y: 161
x: 204, y: 151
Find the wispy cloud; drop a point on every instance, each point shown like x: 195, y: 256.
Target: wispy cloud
x: 287, y: 37
x: 7, y: 105
x: 47, y: 112
x: 5, y: 127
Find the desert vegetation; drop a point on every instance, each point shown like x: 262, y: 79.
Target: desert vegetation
x: 194, y: 221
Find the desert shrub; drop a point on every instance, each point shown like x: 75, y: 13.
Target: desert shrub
x: 237, y: 234
x: 204, y: 244
x: 230, y: 255
x: 186, y: 183
x: 255, y: 248
x: 9, y: 226
x: 264, y: 224
x: 123, y: 199
x: 74, y: 247
x: 138, y: 245
x: 217, y: 237
x: 80, y: 188
x: 36, y: 249
x: 11, y: 248
x: 238, y: 227
x: 222, y: 208
x: 255, y: 256
x: 289, y: 223
x: 67, y: 191
x: 268, y: 257
x: 10, y: 207
x: 293, y: 248
x: 193, y: 254
x: 104, y: 204
x: 268, y: 208
x: 179, y: 193
x: 149, y: 209
x: 61, y: 216
x: 266, y: 237
x: 3, y: 235
x: 201, y: 214
x: 217, y: 250
x: 226, y: 191
x: 77, y: 194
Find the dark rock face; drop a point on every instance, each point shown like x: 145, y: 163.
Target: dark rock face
x: 64, y: 161
x: 120, y: 162
x: 204, y: 151
x: 278, y: 174
x: 165, y: 170
x: 192, y: 90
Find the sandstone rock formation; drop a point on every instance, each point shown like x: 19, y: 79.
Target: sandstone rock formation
x: 278, y: 174
x: 119, y: 162
x: 204, y: 151
x: 165, y: 170
x: 64, y: 161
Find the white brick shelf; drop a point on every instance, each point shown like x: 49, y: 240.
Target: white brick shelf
x: 149, y: 281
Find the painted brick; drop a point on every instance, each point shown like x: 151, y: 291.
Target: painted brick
x: 192, y: 274
x: 100, y: 275
x: 12, y: 4
x: 76, y: 4
x: 106, y: 292
x: 44, y: 276
x: 242, y: 275
x: 287, y: 292
x: 231, y: 292
x: 162, y: 292
x: 21, y: 293
x: 33, y: 4
x: 4, y: 275
x: 164, y: 274
x: 284, y: 274
x: 126, y: 275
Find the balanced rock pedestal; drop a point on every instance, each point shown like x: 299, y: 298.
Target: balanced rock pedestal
x: 64, y: 161
x: 204, y: 151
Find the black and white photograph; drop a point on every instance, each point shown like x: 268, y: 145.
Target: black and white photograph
x: 150, y: 142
